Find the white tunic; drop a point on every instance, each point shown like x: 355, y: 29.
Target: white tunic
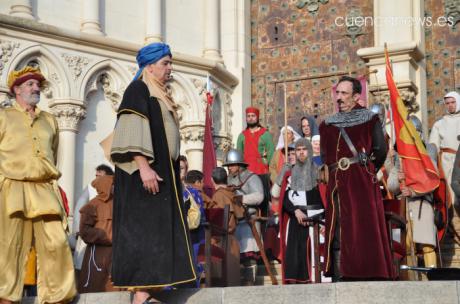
x: 444, y: 134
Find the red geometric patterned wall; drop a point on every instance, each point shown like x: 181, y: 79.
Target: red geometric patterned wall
x: 305, y: 49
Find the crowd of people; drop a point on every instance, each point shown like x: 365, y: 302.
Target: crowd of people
x: 141, y: 227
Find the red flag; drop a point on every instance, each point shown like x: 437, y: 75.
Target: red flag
x: 209, y: 154
x: 418, y: 168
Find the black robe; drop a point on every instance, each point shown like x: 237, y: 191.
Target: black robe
x: 295, y: 254
x: 151, y: 242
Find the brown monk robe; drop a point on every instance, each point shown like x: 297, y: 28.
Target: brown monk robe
x: 223, y: 196
x: 96, y: 231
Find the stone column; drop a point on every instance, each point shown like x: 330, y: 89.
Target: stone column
x: 153, y: 21
x: 22, y: 8
x: 192, y: 136
x: 90, y: 22
x: 406, y: 50
x: 68, y: 114
x: 211, y: 48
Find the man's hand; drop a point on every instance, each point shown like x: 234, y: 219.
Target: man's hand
x: 401, y: 176
x: 406, y: 191
x: 149, y: 177
x: 301, y: 217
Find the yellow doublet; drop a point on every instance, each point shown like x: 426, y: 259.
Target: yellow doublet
x: 31, y: 209
x: 27, y: 162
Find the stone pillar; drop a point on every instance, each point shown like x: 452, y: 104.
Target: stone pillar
x: 153, y: 21
x: 192, y: 136
x: 406, y: 50
x: 22, y: 8
x: 211, y: 48
x: 68, y: 114
x: 90, y: 22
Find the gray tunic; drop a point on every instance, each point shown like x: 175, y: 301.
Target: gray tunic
x: 253, y: 195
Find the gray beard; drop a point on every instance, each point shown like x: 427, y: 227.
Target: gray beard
x: 33, y: 99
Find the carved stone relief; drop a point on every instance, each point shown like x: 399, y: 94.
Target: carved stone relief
x: 5, y: 100
x: 110, y: 93
x: 76, y: 63
x: 7, y: 48
x: 192, y: 134
x: 46, y: 90
x: 104, y: 81
x: 222, y: 145
x: 68, y: 116
x: 408, y: 96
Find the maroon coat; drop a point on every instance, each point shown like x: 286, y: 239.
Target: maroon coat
x: 364, y: 243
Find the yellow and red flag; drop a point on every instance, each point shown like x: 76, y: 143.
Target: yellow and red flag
x: 421, y: 175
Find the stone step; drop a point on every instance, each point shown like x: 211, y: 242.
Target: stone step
x: 438, y: 292
x: 262, y: 278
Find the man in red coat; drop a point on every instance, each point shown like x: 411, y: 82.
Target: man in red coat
x: 256, y: 145
x: 353, y: 147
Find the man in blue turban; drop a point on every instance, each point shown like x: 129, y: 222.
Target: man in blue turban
x: 150, y: 54
x: 151, y: 242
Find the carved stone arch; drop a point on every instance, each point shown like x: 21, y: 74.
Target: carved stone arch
x: 57, y: 85
x: 188, y: 98
x: 110, y: 77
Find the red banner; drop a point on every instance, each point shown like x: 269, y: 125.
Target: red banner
x: 209, y: 154
x: 421, y: 175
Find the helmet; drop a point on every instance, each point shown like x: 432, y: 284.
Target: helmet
x: 234, y: 157
x: 417, y: 124
x: 379, y: 109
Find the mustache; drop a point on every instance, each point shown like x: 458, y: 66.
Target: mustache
x: 339, y: 101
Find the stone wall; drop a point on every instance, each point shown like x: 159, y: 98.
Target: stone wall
x: 300, y: 44
x: 442, y: 55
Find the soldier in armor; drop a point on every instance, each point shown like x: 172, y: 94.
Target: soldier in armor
x: 249, y: 190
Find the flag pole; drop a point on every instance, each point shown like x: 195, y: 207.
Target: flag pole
x: 402, y: 182
x: 285, y: 126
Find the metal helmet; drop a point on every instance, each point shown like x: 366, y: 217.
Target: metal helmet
x: 417, y: 124
x: 234, y: 157
x: 379, y: 109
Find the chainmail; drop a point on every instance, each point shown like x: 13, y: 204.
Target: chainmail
x: 303, y: 177
x: 350, y: 119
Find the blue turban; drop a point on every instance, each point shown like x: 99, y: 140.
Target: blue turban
x: 150, y: 54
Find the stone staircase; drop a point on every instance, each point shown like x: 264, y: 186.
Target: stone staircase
x: 403, y: 292
x: 262, y: 277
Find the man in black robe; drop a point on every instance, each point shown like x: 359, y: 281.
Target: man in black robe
x: 299, y: 200
x: 151, y: 242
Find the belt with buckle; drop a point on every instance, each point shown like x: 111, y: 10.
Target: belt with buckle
x: 344, y: 163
